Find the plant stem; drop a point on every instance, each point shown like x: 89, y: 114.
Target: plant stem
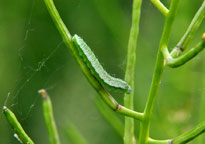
x: 159, y: 67
x: 187, y: 137
x: 193, y: 27
x: 16, y: 126
x: 167, y: 30
x: 160, y: 7
x: 179, y: 61
x: 184, y: 138
x: 108, y: 99
x: 153, y: 141
x: 144, y: 129
x: 129, y: 137
x: 49, y: 118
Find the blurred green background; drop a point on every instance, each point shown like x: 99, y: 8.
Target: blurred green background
x: 33, y: 56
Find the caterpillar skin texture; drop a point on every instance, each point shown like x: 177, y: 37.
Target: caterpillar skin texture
x: 96, y: 68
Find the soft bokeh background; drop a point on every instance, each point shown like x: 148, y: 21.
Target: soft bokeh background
x: 33, y: 56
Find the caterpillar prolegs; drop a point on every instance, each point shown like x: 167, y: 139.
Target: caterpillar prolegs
x: 96, y: 68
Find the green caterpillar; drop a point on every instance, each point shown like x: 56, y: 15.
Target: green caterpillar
x: 96, y: 68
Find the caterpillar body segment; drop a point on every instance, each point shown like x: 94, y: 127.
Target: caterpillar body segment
x: 96, y: 68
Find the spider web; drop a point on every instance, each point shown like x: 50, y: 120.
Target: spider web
x: 12, y: 99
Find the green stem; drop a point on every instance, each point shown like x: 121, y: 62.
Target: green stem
x: 189, y: 136
x: 184, y: 138
x: 159, y: 67
x: 49, y: 118
x: 16, y: 126
x: 193, y: 27
x: 176, y: 62
x: 153, y: 141
x: 160, y: 7
x: 144, y: 129
x: 108, y: 99
x: 129, y: 137
x: 167, y: 30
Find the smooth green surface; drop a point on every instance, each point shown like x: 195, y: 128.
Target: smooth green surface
x: 190, y: 135
x: 181, y: 60
x: 16, y: 126
x: 160, y: 7
x: 129, y: 135
x: 152, y: 141
x: 193, y: 27
x: 28, y: 38
x: 157, y: 76
x: 49, y: 118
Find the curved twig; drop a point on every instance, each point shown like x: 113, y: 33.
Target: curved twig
x: 179, y: 61
x: 65, y: 34
x: 193, y: 27
x: 160, y: 7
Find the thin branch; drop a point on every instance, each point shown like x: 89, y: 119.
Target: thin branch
x: 193, y: 27
x: 167, y: 30
x: 129, y: 137
x: 184, y: 138
x: 160, y: 7
x: 159, y: 68
x: 108, y: 99
x: 181, y: 60
x: 190, y: 135
x: 153, y: 141
x: 49, y: 118
x: 16, y: 126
